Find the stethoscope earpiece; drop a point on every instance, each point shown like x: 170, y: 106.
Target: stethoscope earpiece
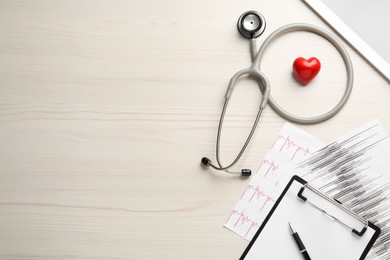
x: 251, y: 24
x: 206, y: 162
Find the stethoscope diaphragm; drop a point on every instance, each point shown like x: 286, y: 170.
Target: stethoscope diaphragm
x: 251, y: 24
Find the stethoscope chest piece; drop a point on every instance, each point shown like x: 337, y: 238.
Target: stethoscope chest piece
x: 251, y: 24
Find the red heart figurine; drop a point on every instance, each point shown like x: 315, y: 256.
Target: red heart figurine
x: 305, y: 70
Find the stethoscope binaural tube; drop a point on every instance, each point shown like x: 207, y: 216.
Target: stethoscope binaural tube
x: 249, y: 24
x: 266, y: 92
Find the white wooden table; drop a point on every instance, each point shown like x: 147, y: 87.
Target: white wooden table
x: 107, y: 106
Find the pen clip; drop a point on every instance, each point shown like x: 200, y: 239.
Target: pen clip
x: 335, y: 203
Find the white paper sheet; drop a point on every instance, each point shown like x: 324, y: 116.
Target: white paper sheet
x: 291, y: 145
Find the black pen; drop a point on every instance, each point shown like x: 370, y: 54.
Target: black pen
x: 298, y: 240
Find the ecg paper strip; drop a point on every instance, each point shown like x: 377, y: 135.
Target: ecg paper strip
x: 291, y: 146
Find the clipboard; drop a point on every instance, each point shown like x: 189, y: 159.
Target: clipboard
x: 326, y: 227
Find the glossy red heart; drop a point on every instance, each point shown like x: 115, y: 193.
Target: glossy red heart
x: 306, y: 70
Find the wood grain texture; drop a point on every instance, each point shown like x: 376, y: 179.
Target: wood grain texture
x: 106, y: 108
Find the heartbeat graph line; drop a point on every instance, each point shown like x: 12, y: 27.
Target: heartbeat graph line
x: 257, y: 194
x: 288, y: 143
x: 242, y: 220
x: 272, y: 166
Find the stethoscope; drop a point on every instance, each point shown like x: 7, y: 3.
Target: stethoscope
x: 251, y: 24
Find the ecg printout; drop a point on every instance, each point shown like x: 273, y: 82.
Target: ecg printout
x: 355, y: 170
x: 292, y: 145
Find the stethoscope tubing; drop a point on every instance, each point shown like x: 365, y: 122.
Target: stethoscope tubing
x: 255, y: 71
x: 243, y: 147
x: 336, y: 43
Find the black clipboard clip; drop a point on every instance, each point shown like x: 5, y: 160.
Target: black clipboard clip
x: 337, y: 204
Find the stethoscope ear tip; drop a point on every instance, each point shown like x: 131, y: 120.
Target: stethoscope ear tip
x: 246, y: 172
x: 205, y: 161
